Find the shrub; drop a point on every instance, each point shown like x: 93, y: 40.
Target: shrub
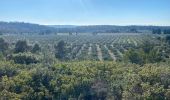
x: 25, y: 58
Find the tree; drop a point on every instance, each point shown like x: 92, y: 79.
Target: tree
x: 166, y: 31
x: 167, y: 39
x: 7, y: 68
x: 76, y: 33
x: 36, y: 48
x: 94, y: 33
x: 145, y: 54
x: 70, y: 33
x: 25, y: 58
x: 156, y: 31
x: 60, y: 50
x: 134, y: 57
x: 3, y: 45
x: 133, y: 30
x: 21, y: 46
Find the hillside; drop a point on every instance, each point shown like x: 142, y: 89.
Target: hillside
x: 21, y: 27
x: 110, y: 29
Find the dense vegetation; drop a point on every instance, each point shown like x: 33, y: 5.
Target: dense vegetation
x: 159, y: 31
x: 108, y: 67
x: 84, y: 81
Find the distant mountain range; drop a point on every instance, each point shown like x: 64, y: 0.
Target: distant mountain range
x: 20, y: 27
x: 62, y: 26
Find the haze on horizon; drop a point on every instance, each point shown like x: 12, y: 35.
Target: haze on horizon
x: 87, y: 12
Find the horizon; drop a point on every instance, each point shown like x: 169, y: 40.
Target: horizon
x: 81, y: 24
x: 87, y: 12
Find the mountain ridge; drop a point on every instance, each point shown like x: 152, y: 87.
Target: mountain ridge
x: 22, y: 27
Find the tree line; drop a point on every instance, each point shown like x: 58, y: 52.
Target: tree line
x: 159, y: 31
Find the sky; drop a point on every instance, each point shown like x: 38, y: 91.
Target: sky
x: 87, y: 12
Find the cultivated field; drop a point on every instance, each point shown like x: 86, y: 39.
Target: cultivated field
x: 88, y: 47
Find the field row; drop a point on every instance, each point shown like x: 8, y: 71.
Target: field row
x: 85, y: 47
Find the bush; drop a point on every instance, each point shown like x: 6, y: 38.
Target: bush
x: 25, y: 58
x: 8, y: 68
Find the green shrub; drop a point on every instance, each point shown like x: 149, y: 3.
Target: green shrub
x: 26, y: 58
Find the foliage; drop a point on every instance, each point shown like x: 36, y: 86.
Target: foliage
x: 86, y: 80
x: 7, y: 68
x: 156, y: 31
x: 167, y: 31
x: 167, y: 38
x: 4, y: 46
x: 21, y: 46
x: 36, y: 48
x: 25, y: 58
x: 60, y: 50
x: 145, y: 54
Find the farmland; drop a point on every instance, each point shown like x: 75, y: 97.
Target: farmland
x: 88, y: 47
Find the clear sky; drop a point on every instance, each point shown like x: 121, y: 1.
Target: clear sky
x: 87, y: 12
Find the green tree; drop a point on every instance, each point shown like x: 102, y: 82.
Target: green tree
x: 36, y: 48
x: 21, y: 46
x: 156, y: 31
x: 145, y: 54
x: 4, y: 46
x: 70, y: 33
x: 25, y: 58
x: 167, y: 39
x: 166, y: 31
x: 7, y: 68
x: 134, y: 57
x: 60, y: 50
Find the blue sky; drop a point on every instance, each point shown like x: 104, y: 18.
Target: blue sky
x: 87, y: 12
